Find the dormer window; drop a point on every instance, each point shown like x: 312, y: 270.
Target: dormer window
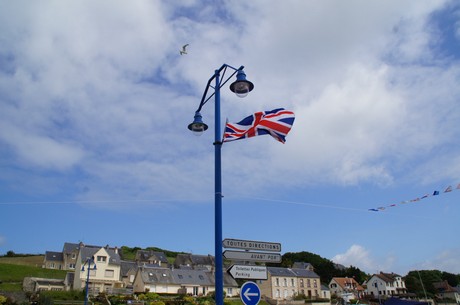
x: 102, y: 259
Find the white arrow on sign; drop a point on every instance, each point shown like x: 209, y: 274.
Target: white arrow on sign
x: 248, y: 294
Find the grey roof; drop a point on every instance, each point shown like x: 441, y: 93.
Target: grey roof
x: 304, y: 273
x: 88, y: 252
x: 125, y: 266
x: 194, y: 260
x: 70, y: 247
x: 145, y: 255
x: 294, y: 272
x: 278, y: 271
x: 157, y: 276
x: 187, y: 276
x: 302, y: 265
x: 54, y: 256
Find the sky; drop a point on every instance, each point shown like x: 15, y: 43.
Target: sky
x: 95, y: 100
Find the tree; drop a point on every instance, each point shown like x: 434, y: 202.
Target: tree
x: 451, y: 278
x: 323, y: 267
x: 427, y: 277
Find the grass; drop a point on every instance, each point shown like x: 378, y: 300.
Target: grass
x: 33, y: 260
x: 14, y: 273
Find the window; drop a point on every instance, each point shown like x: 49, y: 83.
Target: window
x: 301, y: 282
x: 71, y: 266
x: 277, y: 281
x: 102, y: 259
x: 292, y: 282
x: 74, y: 256
x: 285, y: 282
x: 285, y: 293
x: 309, y: 284
x: 201, y: 277
x: 195, y: 290
x: 277, y: 294
x: 314, y: 284
x: 109, y: 273
x: 180, y: 276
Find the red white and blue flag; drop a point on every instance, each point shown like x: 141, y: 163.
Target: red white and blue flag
x: 277, y: 123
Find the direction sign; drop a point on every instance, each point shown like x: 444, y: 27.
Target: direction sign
x: 250, y: 293
x: 248, y: 272
x: 253, y: 256
x: 251, y: 245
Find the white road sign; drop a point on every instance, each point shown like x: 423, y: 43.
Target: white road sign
x: 248, y: 272
x: 251, y: 245
x: 252, y: 256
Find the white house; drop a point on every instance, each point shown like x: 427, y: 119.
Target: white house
x: 100, y: 266
x: 385, y: 284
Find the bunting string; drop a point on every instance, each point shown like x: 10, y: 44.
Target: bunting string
x: 435, y: 193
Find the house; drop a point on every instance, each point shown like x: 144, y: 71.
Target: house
x: 35, y: 284
x: 194, y: 261
x: 286, y: 283
x: 53, y: 260
x: 386, y: 284
x: 151, y: 257
x: 346, y: 288
x: 100, y: 267
x: 302, y: 265
x: 326, y: 293
x: 194, y: 282
x: 66, y: 259
x: 128, y: 271
x: 445, y: 291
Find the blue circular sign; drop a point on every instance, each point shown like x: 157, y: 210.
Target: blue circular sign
x: 250, y: 293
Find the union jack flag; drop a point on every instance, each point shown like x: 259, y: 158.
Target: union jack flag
x: 277, y: 123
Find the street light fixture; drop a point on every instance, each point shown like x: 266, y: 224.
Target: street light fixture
x: 241, y: 87
x: 88, y: 262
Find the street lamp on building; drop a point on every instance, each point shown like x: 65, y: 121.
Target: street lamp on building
x: 241, y: 87
x: 89, y: 261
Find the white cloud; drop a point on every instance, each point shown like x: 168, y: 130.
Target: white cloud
x: 360, y: 257
x: 84, y: 93
x: 445, y: 261
x: 41, y: 151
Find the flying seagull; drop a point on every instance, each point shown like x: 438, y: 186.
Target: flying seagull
x: 184, y: 51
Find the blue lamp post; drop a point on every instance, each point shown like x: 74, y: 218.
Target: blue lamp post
x: 88, y: 262
x: 241, y: 87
